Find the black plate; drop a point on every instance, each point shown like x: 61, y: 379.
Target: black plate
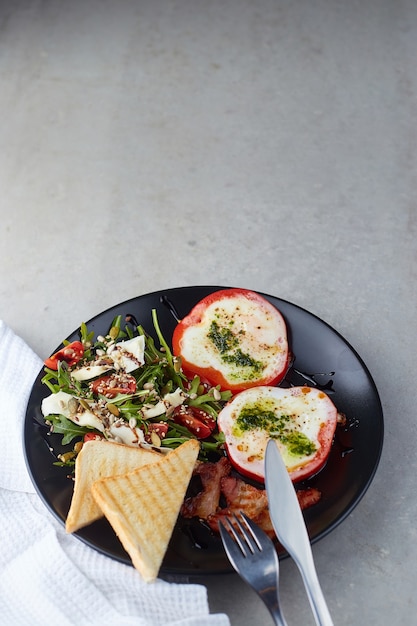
x: 322, y: 357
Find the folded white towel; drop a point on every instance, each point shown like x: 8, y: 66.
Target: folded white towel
x: 49, y: 577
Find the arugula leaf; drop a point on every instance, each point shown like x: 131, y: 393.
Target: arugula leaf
x: 64, y: 426
x: 87, y: 339
x: 64, y: 381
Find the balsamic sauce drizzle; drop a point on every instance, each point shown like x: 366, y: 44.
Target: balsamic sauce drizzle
x: 311, y: 378
x: 131, y: 319
x: 170, y: 306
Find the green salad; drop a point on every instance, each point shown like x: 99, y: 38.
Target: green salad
x: 124, y: 387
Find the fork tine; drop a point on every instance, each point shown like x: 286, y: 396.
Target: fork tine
x: 234, y: 547
x: 261, y: 538
x: 245, y: 533
x: 236, y: 535
x: 249, y: 535
x: 252, y: 534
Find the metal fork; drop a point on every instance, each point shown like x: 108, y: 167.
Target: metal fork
x: 253, y: 556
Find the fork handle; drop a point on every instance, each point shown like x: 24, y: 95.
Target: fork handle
x: 271, y: 600
x: 278, y: 617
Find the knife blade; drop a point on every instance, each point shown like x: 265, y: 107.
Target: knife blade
x: 290, y: 528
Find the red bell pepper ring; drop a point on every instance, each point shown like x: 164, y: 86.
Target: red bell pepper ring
x: 234, y: 338
x: 247, y: 427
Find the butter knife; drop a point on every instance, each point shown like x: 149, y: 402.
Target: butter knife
x: 289, y: 525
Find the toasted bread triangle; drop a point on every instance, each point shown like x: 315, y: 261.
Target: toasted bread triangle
x: 143, y: 505
x: 97, y: 459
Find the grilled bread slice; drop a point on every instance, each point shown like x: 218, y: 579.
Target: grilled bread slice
x: 143, y: 505
x: 99, y: 458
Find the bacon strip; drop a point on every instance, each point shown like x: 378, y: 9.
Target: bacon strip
x: 207, y: 501
x: 239, y: 497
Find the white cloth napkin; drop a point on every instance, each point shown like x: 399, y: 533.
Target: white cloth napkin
x: 49, y: 577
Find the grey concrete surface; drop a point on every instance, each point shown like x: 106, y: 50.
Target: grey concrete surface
x: 266, y: 144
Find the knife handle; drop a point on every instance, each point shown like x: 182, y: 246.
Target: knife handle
x: 314, y: 592
x: 290, y: 528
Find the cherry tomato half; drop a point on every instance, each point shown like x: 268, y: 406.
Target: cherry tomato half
x: 71, y: 354
x: 198, y: 422
x: 159, y: 428
x: 113, y: 384
x: 91, y: 436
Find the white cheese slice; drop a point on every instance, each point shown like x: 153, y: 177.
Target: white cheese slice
x: 154, y: 411
x: 90, y: 371
x: 89, y: 419
x: 58, y: 404
x: 170, y: 400
x: 123, y: 433
x: 128, y: 355
x: 176, y: 398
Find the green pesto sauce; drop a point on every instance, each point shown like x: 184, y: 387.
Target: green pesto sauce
x: 227, y: 343
x: 298, y: 444
x: 222, y: 338
x: 277, y: 425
